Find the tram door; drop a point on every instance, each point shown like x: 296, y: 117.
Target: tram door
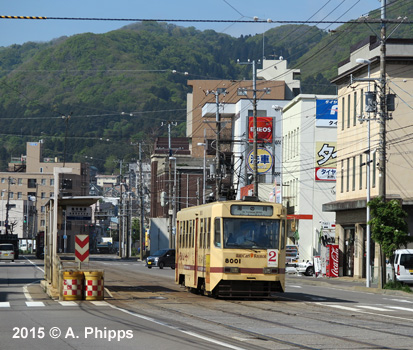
x: 348, y: 260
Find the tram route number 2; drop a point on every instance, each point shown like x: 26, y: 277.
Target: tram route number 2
x: 272, y: 257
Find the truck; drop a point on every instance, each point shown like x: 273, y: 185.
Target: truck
x: 105, y: 245
x: 13, y: 239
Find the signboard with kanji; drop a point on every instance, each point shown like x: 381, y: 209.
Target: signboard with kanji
x: 265, y: 160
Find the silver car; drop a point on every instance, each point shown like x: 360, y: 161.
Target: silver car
x: 6, y: 251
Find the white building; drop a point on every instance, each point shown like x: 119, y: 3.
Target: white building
x: 309, y: 137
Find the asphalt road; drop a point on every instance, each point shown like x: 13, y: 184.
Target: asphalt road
x: 145, y: 309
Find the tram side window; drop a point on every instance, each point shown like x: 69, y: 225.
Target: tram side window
x: 217, y: 233
x: 185, y: 233
x: 193, y: 234
x: 283, y: 233
x: 208, y: 233
x: 201, y: 235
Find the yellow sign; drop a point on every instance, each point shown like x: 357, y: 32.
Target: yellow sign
x: 265, y: 160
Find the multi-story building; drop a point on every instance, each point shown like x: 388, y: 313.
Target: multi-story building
x: 353, y: 144
x: 30, y: 179
x: 309, y: 126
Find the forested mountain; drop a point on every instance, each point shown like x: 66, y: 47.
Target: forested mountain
x: 118, y: 87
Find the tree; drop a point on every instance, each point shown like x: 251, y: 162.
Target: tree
x: 389, y: 227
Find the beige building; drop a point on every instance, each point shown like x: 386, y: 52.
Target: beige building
x: 352, y: 145
x: 30, y: 179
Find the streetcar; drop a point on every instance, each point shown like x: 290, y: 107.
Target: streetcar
x: 232, y: 249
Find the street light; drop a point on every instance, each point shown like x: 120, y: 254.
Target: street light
x: 204, y: 172
x: 368, y: 268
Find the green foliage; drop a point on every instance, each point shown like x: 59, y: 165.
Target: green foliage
x: 396, y: 285
x: 388, y: 225
x: 118, y: 87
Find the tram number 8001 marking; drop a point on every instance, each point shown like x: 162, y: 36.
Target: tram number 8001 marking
x: 233, y: 261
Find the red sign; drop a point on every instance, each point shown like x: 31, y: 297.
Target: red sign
x: 82, y: 248
x: 332, y: 262
x: 264, y: 129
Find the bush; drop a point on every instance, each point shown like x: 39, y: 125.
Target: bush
x: 396, y: 285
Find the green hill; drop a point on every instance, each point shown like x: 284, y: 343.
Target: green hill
x: 120, y: 86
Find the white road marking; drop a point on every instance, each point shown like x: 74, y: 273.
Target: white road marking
x: 34, y: 303
x: 196, y: 335
x: 373, y: 308
x: 4, y: 304
x: 67, y: 303
x: 100, y: 303
x: 401, y: 308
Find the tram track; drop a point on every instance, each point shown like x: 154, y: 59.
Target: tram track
x: 190, y: 310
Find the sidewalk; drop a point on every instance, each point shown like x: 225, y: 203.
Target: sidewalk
x: 348, y: 283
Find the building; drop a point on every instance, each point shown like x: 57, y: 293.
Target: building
x: 353, y: 139
x: 309, y: 126
x: 275, y: 86
x: 30, y: 179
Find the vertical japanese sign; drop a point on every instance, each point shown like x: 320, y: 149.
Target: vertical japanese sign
x: 326, y: 113
x: 326, y: 158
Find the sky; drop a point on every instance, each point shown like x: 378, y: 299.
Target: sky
x: 16, y: 31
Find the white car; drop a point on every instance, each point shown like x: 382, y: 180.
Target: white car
x: 305, y: 267
x: 403, y: 265
x: 7, y: 251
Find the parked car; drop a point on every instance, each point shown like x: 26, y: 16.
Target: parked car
x: 305, y: 267
x: 7, y: 251
x: 162, y: 258
x: 403, y: 265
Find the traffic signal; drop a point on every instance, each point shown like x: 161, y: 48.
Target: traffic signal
x: 25, y: 219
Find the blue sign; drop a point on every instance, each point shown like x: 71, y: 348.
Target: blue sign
x: 326, y: 113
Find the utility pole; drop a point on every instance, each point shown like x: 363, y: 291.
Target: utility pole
x: 218, y: 175
x: 383, y: 109
x: 170, y: 210
x: 142, y: 229
x: 254, y: 119
x: 382, y: 129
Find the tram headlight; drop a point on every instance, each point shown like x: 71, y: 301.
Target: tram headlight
x: 270, y: 270
x: 231, y: 270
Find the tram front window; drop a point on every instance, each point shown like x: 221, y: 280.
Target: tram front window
x: 251, y: 233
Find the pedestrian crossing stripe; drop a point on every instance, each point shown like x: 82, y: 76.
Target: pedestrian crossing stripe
x: 33, y: 304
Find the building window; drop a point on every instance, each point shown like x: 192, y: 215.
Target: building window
x: 51, y: 182
x: 20, y: 181
x: 51, y: 194
x: 42, y: 223
x: 43, y: 195
x: 348, y: 174
x: 43, y: 182
x: 3, y: 180
x: 348, y: 110
x: 355, y: 109
x: 342, y: 114
x: 361, y: 172
x: 361, y: 102
x: 354, y: 173
x: 342, y: 176
x: 19, y: 195
x: 11, y: 195
x: 42, y: 209
x: 31, y: 183
x: 41, y: 170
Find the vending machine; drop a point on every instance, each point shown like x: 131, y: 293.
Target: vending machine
x: 332, y: 255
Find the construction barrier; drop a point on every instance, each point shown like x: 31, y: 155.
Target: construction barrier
x: 94, y: 285
x: 72, y: 285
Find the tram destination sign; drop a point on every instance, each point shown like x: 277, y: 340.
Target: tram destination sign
x: 251, y: 210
